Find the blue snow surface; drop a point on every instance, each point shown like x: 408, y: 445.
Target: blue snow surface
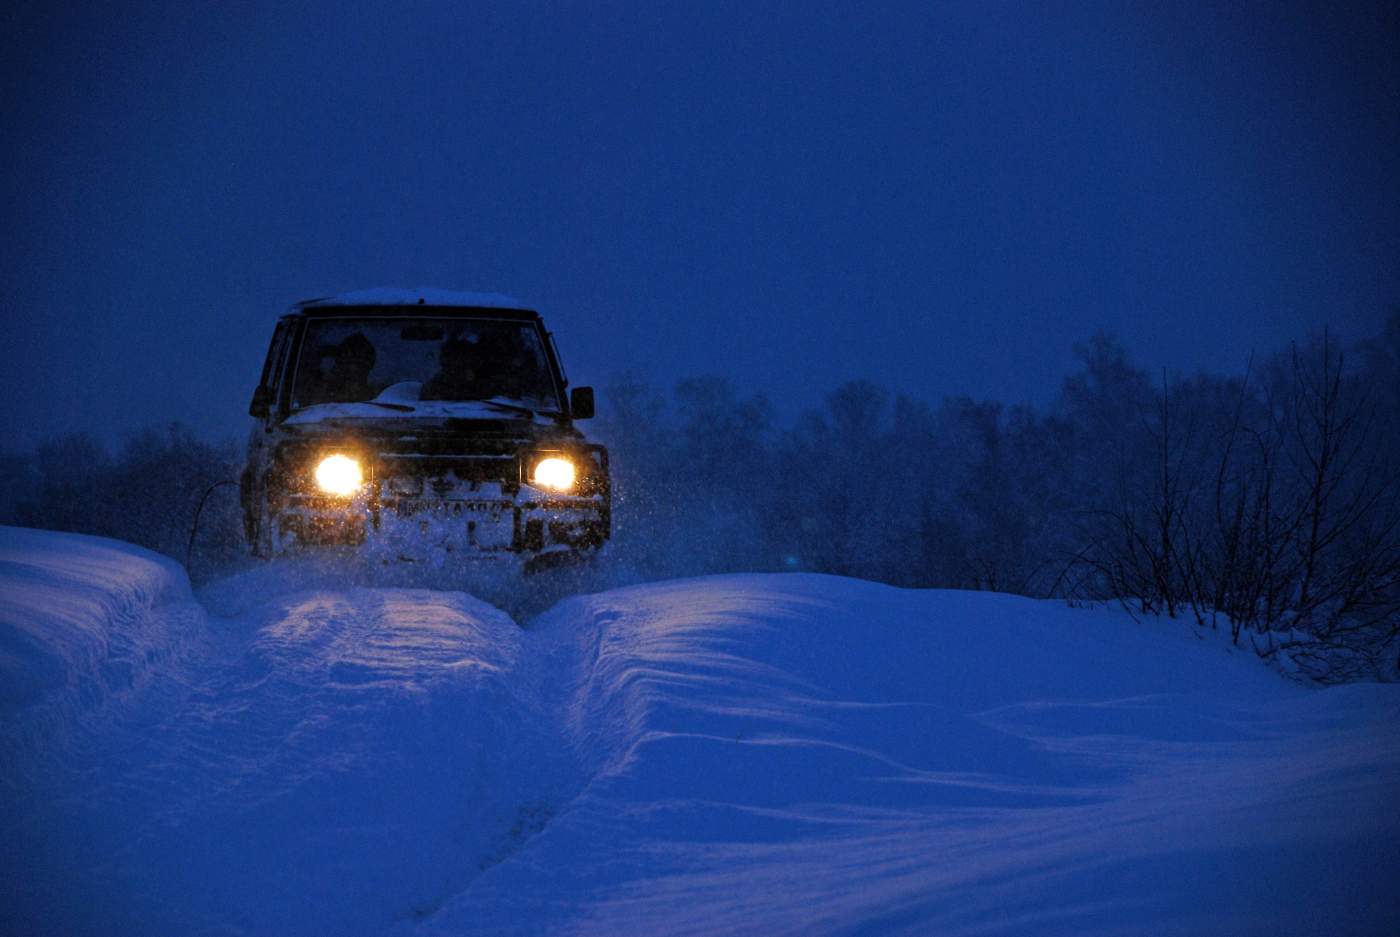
x: 755, y: 754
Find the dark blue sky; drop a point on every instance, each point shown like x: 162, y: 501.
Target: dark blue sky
x: 943, y: 197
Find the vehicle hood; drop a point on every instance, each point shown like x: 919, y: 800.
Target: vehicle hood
x: 484, y: 423
x: 423, y: 412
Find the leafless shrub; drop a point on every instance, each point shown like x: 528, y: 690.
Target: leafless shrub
x: 1296, y: 537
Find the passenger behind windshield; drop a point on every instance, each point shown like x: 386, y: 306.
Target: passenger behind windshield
x: 489, y: 364
x: 458, y: 378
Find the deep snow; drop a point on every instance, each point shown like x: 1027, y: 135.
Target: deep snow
x: 737, y: 754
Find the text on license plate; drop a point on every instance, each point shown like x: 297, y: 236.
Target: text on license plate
x: 490, y: 509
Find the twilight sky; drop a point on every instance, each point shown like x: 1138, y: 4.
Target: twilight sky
x: 940, y: 196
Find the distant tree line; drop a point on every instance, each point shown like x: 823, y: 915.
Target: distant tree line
x: 1266, y: 503
x: 145, y: 492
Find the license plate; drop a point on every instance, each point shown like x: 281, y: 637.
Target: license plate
x: 491, y: 510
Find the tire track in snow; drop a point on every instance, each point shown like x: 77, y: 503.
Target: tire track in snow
x: 338, y: 761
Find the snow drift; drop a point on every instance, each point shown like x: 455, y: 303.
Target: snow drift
x: 82, y: 620
x: 802, y: 754
x: 738, y: 754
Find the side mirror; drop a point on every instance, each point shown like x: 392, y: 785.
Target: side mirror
x: 581, y: 403
x: 262, y: 399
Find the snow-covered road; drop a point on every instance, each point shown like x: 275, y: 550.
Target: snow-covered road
x: 323, y: 762
x: 740, y: 754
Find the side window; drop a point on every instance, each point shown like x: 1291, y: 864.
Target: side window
x: 558, y: 362
x: 276, y: 363
x: 273, y: 364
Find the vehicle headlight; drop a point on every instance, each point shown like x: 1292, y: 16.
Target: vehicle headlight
x: 339, y: 475
x: 554, y: 473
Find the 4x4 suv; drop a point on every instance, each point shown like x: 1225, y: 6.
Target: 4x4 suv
x: 420, y: 424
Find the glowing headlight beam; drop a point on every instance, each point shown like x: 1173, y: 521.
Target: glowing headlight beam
x: 553, y: 473
x: 339, y: 475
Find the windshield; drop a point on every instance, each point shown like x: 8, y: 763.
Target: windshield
x: 346, y: 360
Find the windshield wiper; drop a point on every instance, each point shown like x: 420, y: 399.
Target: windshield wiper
x: 502, y: 404
x: 401, y: 407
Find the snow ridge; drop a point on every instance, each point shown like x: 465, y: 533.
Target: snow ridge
x: 82, y: 620
x: 737, y: 754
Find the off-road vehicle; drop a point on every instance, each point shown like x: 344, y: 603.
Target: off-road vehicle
x: 422, y: 426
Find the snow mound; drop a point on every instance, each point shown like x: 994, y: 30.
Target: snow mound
x: 803, y: 754
x: 731, y: 755
x: 78, y: 624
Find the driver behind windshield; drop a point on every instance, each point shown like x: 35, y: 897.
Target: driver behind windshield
x: 347, y: 377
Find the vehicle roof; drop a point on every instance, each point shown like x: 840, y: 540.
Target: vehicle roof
x: 397, y: 300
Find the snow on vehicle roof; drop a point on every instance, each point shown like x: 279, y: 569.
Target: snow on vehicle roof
x: 419, y: 296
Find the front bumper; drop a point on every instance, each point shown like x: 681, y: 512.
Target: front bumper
x: 481, y: 524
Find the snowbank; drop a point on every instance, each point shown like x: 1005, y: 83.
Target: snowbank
x: 801, y: 754
x: 81, y: 619
x: 736, y: 755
